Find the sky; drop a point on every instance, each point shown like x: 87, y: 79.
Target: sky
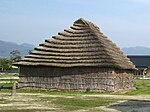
x: 125, y: 22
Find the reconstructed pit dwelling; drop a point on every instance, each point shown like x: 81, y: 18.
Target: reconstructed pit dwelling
x: 78, y: 58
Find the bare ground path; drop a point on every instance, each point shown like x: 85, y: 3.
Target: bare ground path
x: 136, y: 103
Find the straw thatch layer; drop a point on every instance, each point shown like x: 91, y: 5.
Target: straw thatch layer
x: 81, y: 45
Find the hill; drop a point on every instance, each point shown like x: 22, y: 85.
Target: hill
x: 7, y: 47
x: 138, y: 50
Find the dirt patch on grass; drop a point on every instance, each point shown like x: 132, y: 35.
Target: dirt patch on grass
x: 24, y: 101
x: 74, y: 103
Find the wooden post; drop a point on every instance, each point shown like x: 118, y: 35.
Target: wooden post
x: 14, y: 89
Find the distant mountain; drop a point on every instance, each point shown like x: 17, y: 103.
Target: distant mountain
x: 27, y: 45
x: 7, y: 47
x: 139, y: 50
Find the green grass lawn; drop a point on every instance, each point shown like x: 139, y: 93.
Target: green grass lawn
x: 142, y: 87
x: 7, y: 75
x: 77, y: 103
x: 54, y: 103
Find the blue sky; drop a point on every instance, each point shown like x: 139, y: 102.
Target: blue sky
x: 125, y: 22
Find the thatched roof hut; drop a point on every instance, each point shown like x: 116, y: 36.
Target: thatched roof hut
x: 77, y: 58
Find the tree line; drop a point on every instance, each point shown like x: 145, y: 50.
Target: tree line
x: 6, y: 63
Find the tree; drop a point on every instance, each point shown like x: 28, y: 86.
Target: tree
x: 15, y: 55
x: 5, y: 64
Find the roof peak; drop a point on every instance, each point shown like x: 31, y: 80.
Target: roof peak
x: 81, y: 21
x: 84, y: 22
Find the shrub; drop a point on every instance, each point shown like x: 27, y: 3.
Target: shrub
x: 88, y: 89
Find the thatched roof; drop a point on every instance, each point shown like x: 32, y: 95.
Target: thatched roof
x: 81, y: 45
